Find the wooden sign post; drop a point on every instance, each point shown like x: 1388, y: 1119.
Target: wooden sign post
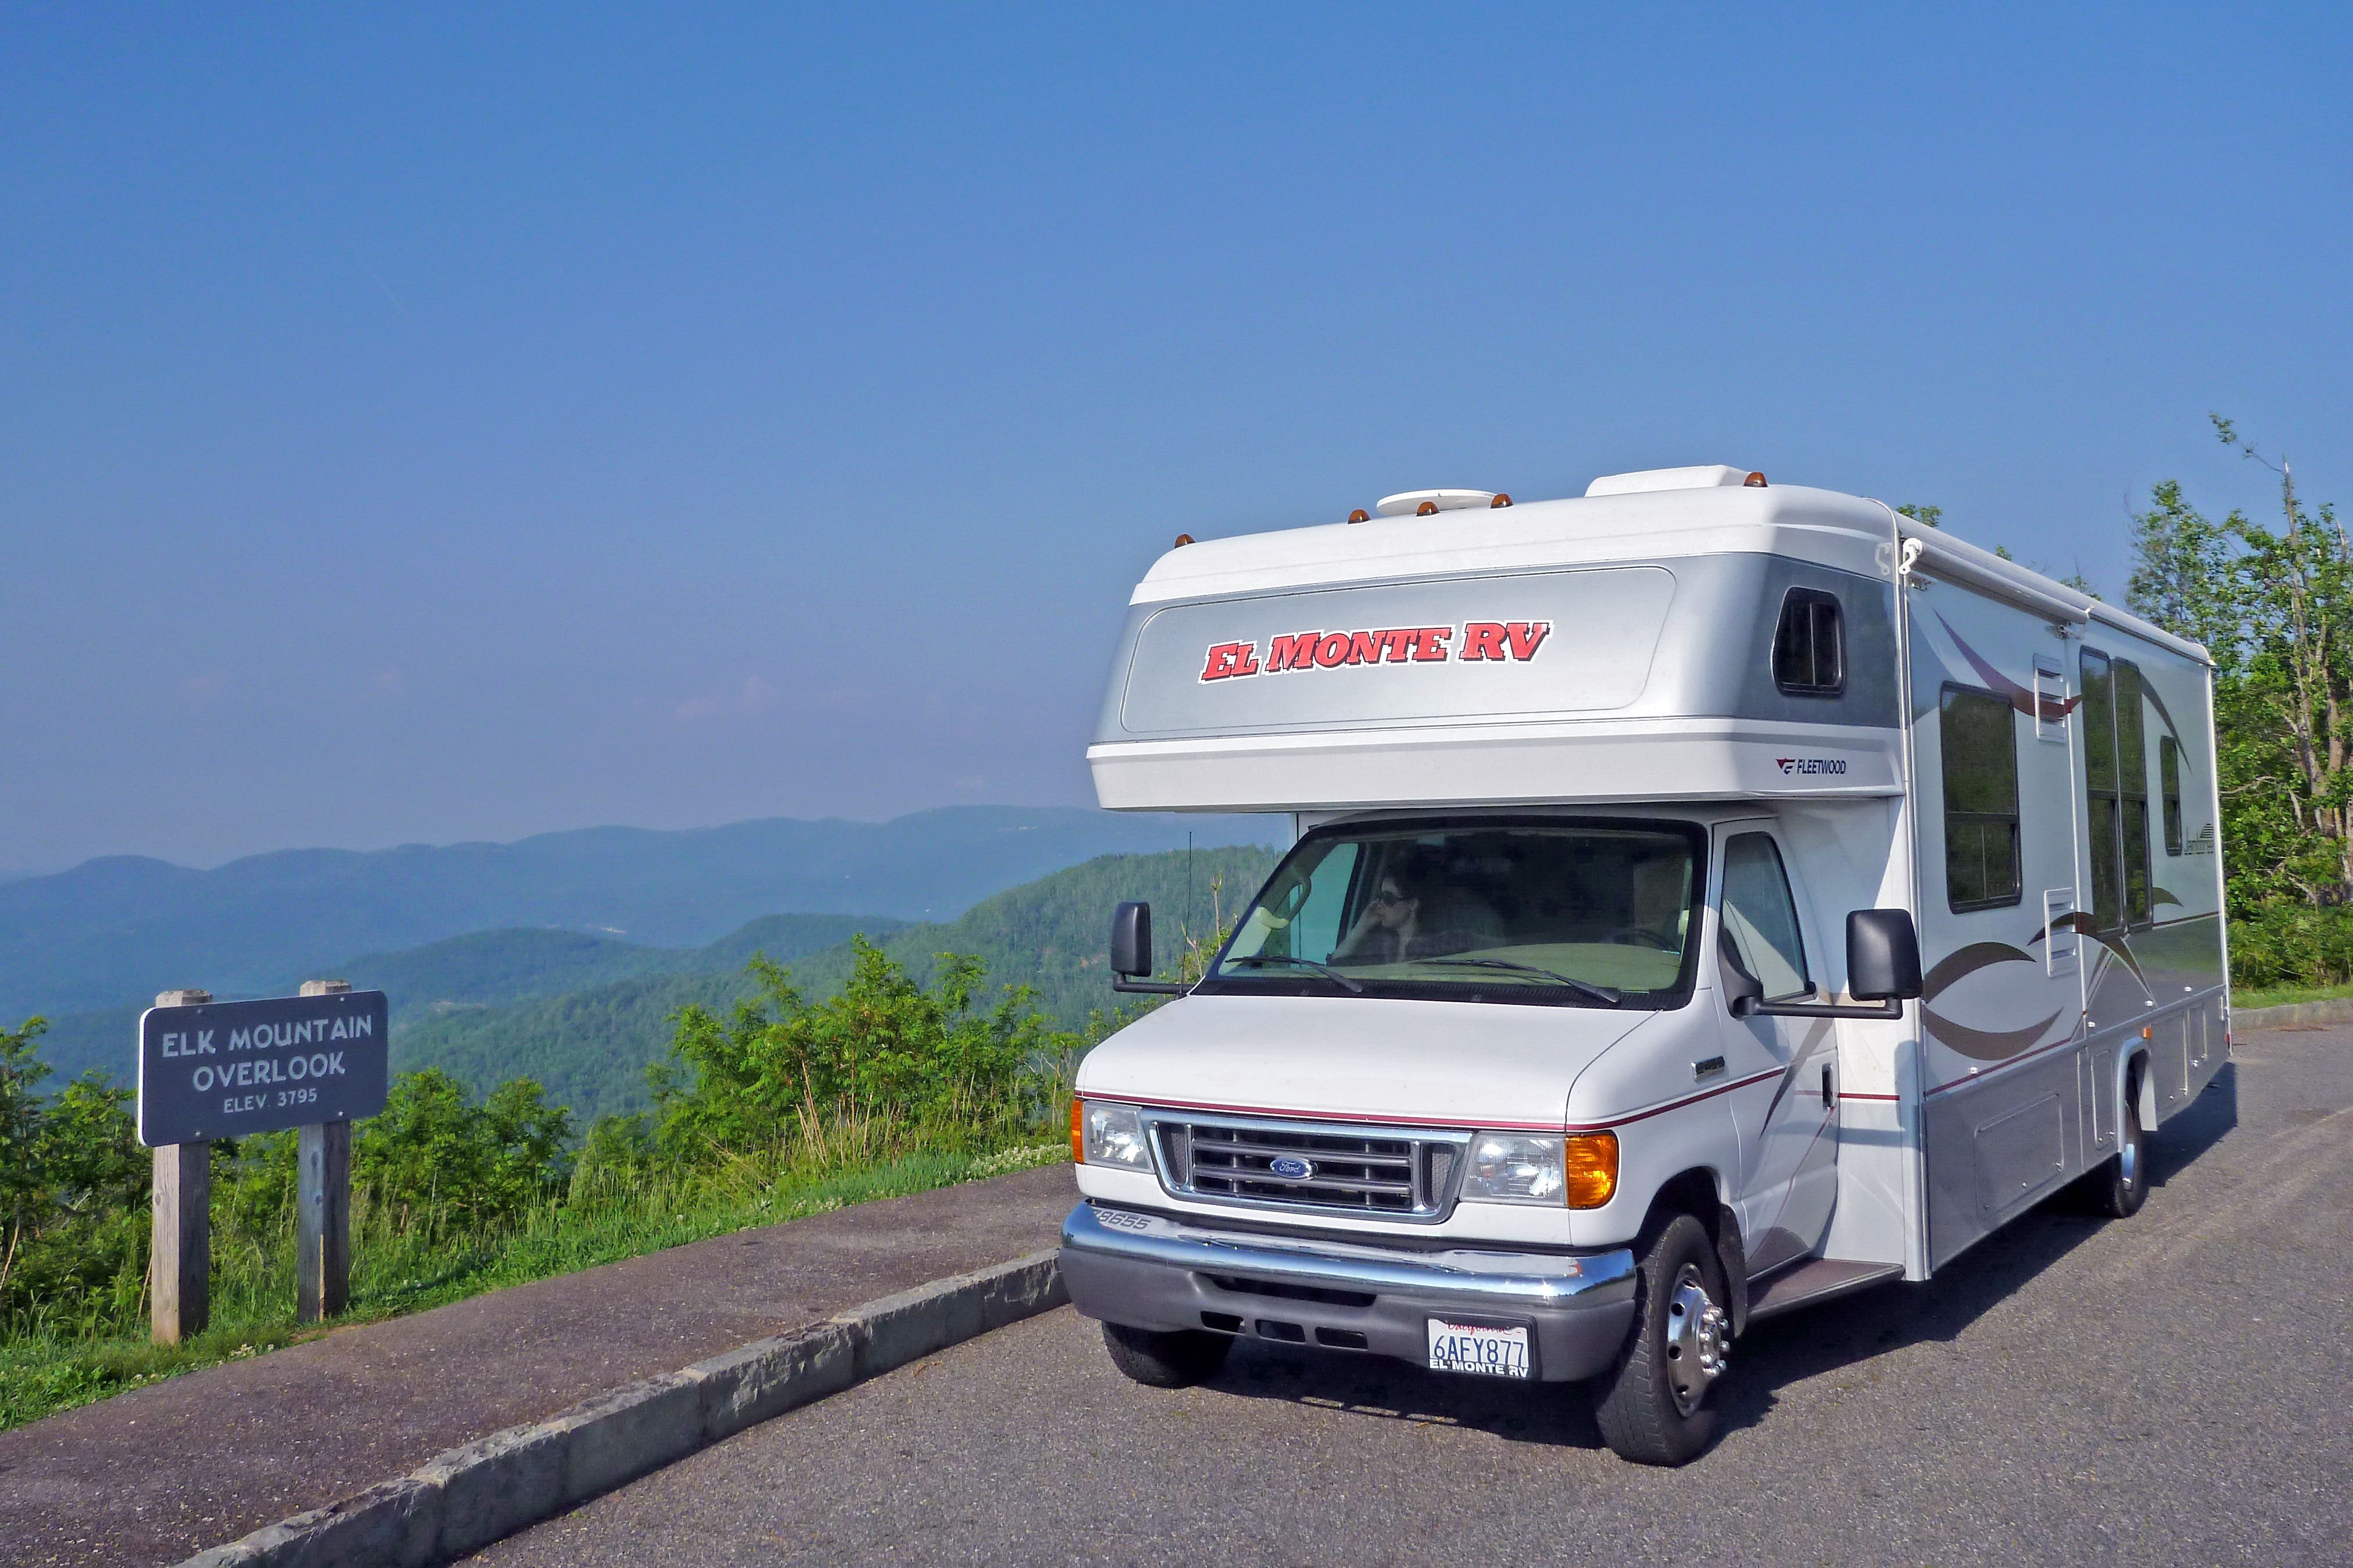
x: 180, y: 1263
x: 323, y: 1205
x: 208, y: 1070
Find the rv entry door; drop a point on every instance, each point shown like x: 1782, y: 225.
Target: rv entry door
x: 1788, y: 1144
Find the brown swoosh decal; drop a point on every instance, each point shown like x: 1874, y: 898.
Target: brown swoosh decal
x: 1966, y: 961
x: 1816, y: 1039
x: 2158, y: 897
x: 2050, y: 709
x: 2159, y: 704
x: 1985, y: 1044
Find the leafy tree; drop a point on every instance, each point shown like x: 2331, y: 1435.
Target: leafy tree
x: 433, y: 1152
x: 73, y: 1182
x: 885, y: 1047
x: 2274, y: 607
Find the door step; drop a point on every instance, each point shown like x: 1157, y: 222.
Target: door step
x: 1817, y: 1280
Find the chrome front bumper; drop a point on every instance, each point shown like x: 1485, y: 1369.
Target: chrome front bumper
x: 1154, y: 1272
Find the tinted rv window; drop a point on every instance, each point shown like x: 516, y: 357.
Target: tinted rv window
x: 1810, y: 645
x: 2168, y: 773
x: 2132, y: 786
x: 2099, y: 712
x: 2115, y: 790
x: 1980, y: 743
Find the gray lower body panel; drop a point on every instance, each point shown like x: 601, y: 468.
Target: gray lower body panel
x: 1154, y: 1272
x: 1999, y: 1145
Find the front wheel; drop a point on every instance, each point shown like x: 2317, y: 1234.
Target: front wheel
x: 1176, y: 1360
x: 1655, y: 1406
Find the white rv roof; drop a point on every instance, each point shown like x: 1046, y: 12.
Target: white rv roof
x: 1826, y: 527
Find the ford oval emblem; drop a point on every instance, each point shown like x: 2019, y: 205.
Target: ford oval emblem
x: 1291, y: 1168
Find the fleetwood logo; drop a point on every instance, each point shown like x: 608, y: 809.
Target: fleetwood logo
x: 1474, y: 642
x: 1812, y: 764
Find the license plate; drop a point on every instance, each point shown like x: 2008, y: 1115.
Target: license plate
x: 1479, y: 1349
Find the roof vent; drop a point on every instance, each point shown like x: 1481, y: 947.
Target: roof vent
x: 1706, y: 477
x: 1408, y: 503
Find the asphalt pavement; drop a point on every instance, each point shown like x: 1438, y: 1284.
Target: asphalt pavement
x: 2171, y: 1388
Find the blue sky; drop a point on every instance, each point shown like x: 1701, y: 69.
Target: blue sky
x: 441, y: 423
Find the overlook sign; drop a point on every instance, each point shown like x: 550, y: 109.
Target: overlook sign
x: 227, y: 1069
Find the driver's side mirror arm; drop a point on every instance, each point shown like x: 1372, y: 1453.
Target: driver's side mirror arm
x: 1882, y: 966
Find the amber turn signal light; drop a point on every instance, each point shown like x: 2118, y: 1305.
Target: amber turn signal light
x: 1501, y: 500
x: 1589, y: 1160
x: 1078, y: 1134
x: 1754, y: 482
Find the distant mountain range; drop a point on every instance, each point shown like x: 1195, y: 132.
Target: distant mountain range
x: 111, y: 932
x: 584, y: 1013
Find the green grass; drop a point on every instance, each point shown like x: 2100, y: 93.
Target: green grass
x: 398, y: 1271
x: 2284, y: 995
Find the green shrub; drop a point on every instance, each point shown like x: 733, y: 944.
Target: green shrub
x: 885, y: 1056
x: 2292, y: 944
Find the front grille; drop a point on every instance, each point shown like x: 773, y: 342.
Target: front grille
x: 1368, y: 1170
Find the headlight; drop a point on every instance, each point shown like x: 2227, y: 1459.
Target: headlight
x: 1581, y: 1170
x: 1515, y: 1168
x: 1114, y: 1136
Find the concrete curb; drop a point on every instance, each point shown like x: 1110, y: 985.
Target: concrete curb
x: 468, y: 1496
x: 2294, y: 1015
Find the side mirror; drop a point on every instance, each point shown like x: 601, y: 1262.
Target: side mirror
x: 1883, y: 973
x: 1131, y: 939
x: 1131, y: 951
x: 1883, y: 956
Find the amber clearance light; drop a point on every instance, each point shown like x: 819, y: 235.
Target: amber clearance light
x: 1590, y: 1162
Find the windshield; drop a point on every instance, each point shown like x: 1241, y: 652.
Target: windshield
x: 1588, y: 913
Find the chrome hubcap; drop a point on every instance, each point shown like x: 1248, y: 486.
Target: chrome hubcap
x: 1699, y: 1339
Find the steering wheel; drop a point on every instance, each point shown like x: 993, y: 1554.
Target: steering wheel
x: 1639, y: 936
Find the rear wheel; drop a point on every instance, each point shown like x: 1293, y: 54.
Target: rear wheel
x: 1176, y: 1360
x: 1655, y: 1404
x: 2120, y: 1186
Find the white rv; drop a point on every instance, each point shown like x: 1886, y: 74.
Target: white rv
x: 1709, y: 897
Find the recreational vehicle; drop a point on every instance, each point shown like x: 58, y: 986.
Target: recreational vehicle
x: 1707, y: 898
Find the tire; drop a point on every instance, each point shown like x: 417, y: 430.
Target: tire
x: 1656, y: 1405
x: 2120, y: 1186
x: 1177, y: 1360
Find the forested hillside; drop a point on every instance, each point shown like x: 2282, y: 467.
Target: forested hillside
x: 590, y: 1048
x: 483, y: 968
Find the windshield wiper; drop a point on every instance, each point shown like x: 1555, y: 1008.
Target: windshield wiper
x: 1325, y: 970
x: 1601, y: 994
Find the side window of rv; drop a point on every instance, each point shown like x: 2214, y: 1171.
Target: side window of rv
x: 1810, y: 645
x: 1978, y: 739
x: 1316, y: 929
x: 2115, y: 790
x: 2169, y: 776
x: 1760, y: 918
x: 2132, y: 779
